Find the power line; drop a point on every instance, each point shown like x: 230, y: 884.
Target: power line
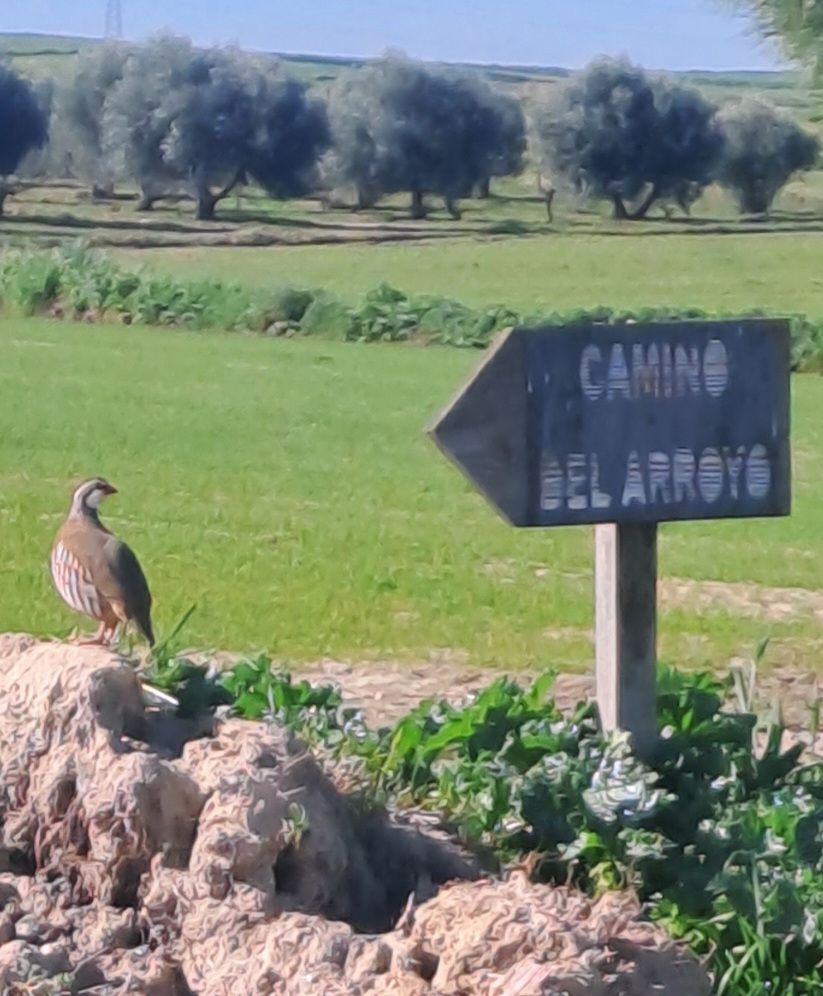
x: 114, y: 19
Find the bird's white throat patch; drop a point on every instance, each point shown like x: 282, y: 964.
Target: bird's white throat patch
x: 94, y: 498
x: 87, y: 498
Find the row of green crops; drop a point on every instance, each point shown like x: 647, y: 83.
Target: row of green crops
x: 722, y: 842
x: 82, y: 284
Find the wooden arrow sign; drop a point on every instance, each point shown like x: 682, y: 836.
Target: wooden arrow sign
x: 632, y: 423
x: 624, y: 427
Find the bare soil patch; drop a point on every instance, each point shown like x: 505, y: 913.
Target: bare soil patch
x: 386, y: 690
x: 751, y: 601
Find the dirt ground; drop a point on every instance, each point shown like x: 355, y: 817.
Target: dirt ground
x: 387, y: 690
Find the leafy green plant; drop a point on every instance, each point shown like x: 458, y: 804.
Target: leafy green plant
x: 288, y: 304
x: 79, y: 282
x: 260, y: 692
x: 721, y: 839
x: 326, y: 316
x: 197, y: 688
x: 29, y: 281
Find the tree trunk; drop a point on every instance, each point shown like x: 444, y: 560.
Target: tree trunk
x: 208, y: 201
x: 452, y: 208
x: 147, y: 200
x: 418, y: 207
x: 484, y: 189
x: 620, y: 213
x: 366, y: 198
x: 684, y: 200
x: 754, y: 200
x: 102, y: 191
x: 4, y: 193
x: 549, y: 203
x: 642, y: 208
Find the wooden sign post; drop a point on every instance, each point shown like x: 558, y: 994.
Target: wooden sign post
x: 624, y: 427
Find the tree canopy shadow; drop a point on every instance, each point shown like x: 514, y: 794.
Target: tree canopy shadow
x: 67, y: 220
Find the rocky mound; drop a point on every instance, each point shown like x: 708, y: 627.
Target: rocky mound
x: 140, y: 854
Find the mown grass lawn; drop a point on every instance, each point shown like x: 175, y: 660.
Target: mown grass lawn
x: 288, y: 489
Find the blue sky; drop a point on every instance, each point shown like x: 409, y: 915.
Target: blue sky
x: 666, y: 34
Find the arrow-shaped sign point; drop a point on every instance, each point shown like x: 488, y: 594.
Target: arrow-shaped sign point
x: 483, y: 429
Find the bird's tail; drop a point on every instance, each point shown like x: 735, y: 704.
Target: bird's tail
x: 145, y: 627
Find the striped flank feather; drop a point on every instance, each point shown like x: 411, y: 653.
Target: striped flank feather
x: 73, y: 584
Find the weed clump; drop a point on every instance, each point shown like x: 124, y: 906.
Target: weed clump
x: 79, y: 283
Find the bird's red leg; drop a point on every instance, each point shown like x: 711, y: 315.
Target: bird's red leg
x: 99, y: 638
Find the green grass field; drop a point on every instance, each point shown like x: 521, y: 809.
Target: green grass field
x: 550, y: 272
x: 715, y: 261
x: 288, y: 489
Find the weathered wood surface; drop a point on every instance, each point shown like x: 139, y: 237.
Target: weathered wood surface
x: 624, y: 427
x: 631, y: 423
x: 626, y: 629
x: 483, y: 429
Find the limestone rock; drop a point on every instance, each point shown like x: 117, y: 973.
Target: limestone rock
x: 135, y: 859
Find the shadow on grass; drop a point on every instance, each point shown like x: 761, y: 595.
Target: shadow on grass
x: 508, y: 199
x: 784, y: 223
x: 67, y: 220
x: 387, y: 223
x: 366, y: 222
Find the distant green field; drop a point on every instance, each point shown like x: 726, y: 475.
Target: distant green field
x: 39, y: 56
x: 14, y: 43
x: 548, y: 272
x: 287, y: 488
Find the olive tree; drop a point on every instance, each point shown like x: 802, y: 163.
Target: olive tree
x: 763, y: 148
x: 41, y: 162
x: 291, y: 132
x: 206, y: 121
x: 401, y: 126
x: 138, y: 115
x: 211, y: 117
x: 77, y: 115
x: 238, y: 121
x: 356, y: 160
x: 616, y: 133
x: 506, y: 142
x: 23, y: 125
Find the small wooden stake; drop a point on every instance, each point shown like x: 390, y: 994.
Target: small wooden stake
x: 626, y: 630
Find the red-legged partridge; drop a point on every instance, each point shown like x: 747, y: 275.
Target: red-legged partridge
x: 95, y: 573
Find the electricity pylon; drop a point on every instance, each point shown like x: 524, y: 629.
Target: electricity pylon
x: 114, y: 19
